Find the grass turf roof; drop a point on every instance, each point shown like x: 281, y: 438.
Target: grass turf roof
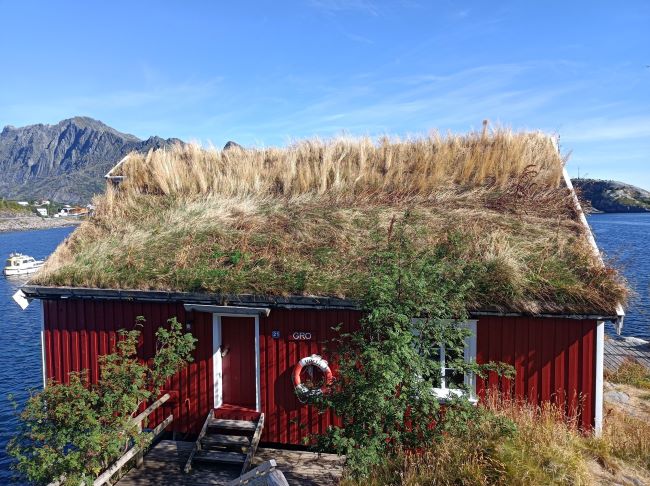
x: 303, y: 220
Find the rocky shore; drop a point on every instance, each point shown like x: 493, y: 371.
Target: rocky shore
x: 613, y: 196
x: 22, y: 223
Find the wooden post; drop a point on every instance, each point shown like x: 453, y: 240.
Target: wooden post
x: 139, y: 459
x: 484, y: 133
x: 197, y: 444
x: 254, y: 442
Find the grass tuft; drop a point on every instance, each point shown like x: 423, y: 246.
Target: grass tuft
x: 630, y: 372
x: 545, y: 449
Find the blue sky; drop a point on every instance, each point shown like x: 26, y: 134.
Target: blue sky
x: 264, y: 73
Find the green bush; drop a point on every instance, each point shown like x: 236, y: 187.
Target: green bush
x: 387, y: 369
x: 76, y: 430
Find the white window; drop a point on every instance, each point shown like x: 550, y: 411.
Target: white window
x: 451, y: 379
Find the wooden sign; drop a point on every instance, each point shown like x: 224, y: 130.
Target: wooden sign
x: 301, y: 336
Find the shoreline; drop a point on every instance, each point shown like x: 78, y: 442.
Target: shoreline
x: 26, y: 223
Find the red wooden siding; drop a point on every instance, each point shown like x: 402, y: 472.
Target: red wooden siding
x: 287, y: 421
x: 554, y: 360
x: 77, y: 332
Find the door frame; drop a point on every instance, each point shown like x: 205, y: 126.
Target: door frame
x: 217, y: 362
x: 217, y: 382
x: 219, y: 311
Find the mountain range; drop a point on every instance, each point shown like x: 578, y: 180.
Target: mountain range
x: 65, y: 162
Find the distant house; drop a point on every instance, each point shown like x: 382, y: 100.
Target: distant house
x: 71, y: 212
x: 260, y: 254
x: 42, y: 212
x: 64, y: 211
x: 23, y: 203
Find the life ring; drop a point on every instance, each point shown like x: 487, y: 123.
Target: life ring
x: 303, y: 390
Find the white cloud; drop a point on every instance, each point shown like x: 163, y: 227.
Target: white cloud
x: 447, y: 100
x: 608, y: 128
x: 337, y: 6
x: 359, y: 38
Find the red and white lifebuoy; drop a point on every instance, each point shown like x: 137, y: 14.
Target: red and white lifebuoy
x: 313, y: 360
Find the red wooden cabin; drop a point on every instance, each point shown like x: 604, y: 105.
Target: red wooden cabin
x: 248, y: 346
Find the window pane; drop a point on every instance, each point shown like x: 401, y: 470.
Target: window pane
x: 454, y: 379
x: 434, y: 375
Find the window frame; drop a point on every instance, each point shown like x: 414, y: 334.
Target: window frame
x: 444, y: 393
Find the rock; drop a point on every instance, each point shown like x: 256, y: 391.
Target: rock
x: 231, y: 145
x: 613, y: 196
x: 634, y: 481
x: 65, y: 162
x: 23, y: 223
x: 635, y: 340
x: 615, y: 396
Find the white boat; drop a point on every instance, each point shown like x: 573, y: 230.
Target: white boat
x: 19, y: 264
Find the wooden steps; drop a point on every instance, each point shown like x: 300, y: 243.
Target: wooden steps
x: 219, y: 457
x: 227, y: 442
x: 236, y: 427
x: 219, y: 440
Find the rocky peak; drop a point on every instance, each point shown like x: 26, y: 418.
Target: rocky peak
x: 232, y: 145
x: 66, y: 161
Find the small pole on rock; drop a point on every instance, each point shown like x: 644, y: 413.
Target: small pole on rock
x: 484, y: 134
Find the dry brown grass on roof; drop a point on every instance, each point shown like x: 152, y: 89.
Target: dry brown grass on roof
x: 304, y: 221
x: 348, y: 166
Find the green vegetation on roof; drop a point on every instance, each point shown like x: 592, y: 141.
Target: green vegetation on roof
x: 303, y: 221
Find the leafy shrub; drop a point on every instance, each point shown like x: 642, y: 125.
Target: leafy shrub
x: 12, y: 207
x: 387, y: 369
x: 73, y: 431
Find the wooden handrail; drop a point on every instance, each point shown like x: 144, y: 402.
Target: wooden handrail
x: 134, y: 450
x: 261, y: 470
x: 140, y: 418
x: 130, y: 454
x: 197, y: 444
x: 254, y: 442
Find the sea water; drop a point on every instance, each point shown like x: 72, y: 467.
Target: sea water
x: 20, y: 333
x: 625, y: 240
